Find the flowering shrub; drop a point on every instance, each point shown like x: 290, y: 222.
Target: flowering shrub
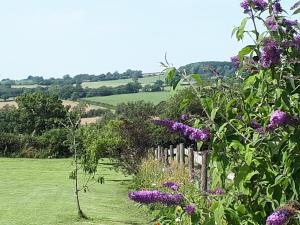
x: 253, y: 131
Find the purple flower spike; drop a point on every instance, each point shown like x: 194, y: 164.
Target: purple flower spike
x: 289, y: 23
x: 260, y: 4
x: 270, y: 54
x: 190, y: 132
x: 190, y: 209
x: 172, y: 185
x: 200, y: 135
x: 279, y: 217
x: 184, y: 117
x: 170, y: 199
x: 272, y: 24
x: 147, y: 197
x: 297, y: 38
x: 254, y: 124
x: 235, y: 62
x: 277, y: 9
x: 245, y: 5
x: 279, y: 118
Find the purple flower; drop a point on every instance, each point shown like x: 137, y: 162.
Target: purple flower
x: 270, y: 54
x: 200, y: 135
x: 270, y: 127
x: 235, y: 62
x: 289, y: 23
x: 254, y: 124
x: 217, y: 191
x: 245, y: 5
x: 260, y: 4
x: 166, y: 123
x: 170, y: 199
x: 190, y: 209
x: 272, y: 24
x: 297, y: 38
x: 279, y: 217
x: 147, y: 197
x: 279, y: 118
x: 277, y: 9
x: 184, y: 117
x: 144, y: 197
x: 180, y: 127
x: 190, y: 132
x: 172, y: 185
x: 260, y: 130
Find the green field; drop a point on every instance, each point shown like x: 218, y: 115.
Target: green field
x: 155, y: 97
x: 115, y: 83
x: 38, y: 192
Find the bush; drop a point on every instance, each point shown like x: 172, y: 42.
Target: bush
x: 56, y: 143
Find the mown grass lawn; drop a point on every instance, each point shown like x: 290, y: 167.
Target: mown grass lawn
x: 39, y: 192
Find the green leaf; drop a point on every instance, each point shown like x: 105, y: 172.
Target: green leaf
x: 209, y: 221
x: 245, y: 51
x: 234, y: 31
x: 241, y: 175
x: 219, y: 214
x: 184, y: 104
x: 241, y: 29
x: 197, y: 78
x: 170, y: 73
x: 297, y: 11
x: 213, y: 113
x: 232, y: 217
x: 237, y: 145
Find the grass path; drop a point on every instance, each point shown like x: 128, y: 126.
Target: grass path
x: 38, y: 192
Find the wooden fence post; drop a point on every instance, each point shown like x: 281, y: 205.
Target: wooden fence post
x: 166, y: 156
x: 177, y: 154
x: 159, y: 153
x: 203, y: 181
x: 151, y: 152
x: 182, y: 154
x: 191, y: 163
x: 156, y: 153
x: 171, y: 152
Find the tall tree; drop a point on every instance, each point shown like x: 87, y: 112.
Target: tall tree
x: 40, y: 112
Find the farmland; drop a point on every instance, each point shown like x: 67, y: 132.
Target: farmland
x: 115, y: 83
x: 72, y: 104
x: 155, y: 97
x: 35, y: 192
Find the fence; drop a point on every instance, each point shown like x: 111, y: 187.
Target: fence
x: 184, y: 156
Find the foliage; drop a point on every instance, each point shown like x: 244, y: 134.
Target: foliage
x: 210, y: 69
x: 255, y: 127
x: 40, y: 112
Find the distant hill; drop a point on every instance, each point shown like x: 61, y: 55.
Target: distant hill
x: 210, y: 68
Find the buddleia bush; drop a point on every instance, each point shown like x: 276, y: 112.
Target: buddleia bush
x: 254, y: 149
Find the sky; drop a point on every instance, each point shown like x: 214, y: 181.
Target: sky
x: 52, y: 38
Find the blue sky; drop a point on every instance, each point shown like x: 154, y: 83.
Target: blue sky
x: 57, y: 37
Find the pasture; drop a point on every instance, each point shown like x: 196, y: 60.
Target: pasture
x: 154, y: 97
x: 115, y: 83
x: 39, y: 192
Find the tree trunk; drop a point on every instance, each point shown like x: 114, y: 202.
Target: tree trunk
x: 79, y: 210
